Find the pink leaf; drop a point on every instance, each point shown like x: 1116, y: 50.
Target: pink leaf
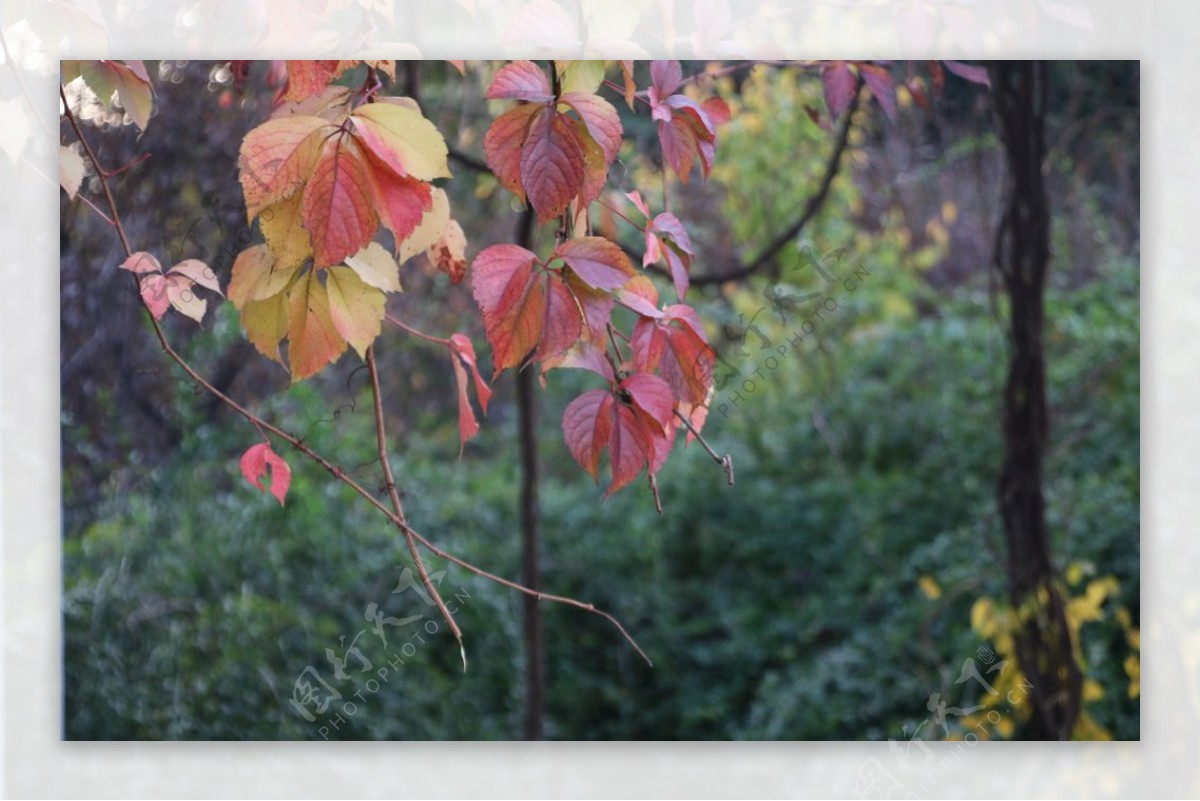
x: 520, y: 80
x: 254, y: 464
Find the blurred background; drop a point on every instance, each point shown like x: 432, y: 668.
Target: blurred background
x: 839, y: 591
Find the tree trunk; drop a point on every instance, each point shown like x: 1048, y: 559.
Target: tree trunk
x: 535, y: 679
x: 1043, y: 639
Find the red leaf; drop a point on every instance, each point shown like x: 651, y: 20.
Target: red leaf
x: 599, y: 263
x: 840, y: 85
x: 401, y: 201
x: 502, y: 146
x: 512, y: 301
x: 653, y: 397
x: 970, y: 72
x: 667, y: 240
x: 587, y: 422
x: 630, y: 447
x: 520, y: 80
x: 552, y: 164
x: 665, y: 76
x: 675, y: 346
x: 880, y: 82
x: 562, y: 324
x: 717, y: 110
x: 602, y: 121
x: 466, y: 351
x: 254, y: 464
x: 337, y: 208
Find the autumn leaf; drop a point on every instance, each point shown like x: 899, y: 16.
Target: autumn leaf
x: 429, y: 230
x: 153, y: 289
x: 523, y: 309
x: 129, y: 81
x: 633, y: 423
x: 520, y: 80
x: 502, y: 146
x: 599, y: 263
x: 282, y: 226
x: 879, y: 80
x: 338, y: 209
x: 449, y: 253
x: 257, y: 276
x: 401, y: 201
x: 307, y: 78
x: 355, y: 308
x: 675, y: 346
x: 376, y: 267
x: 70, y: 171
x: 552, y: 164
x: 512, y: 301
x: 840, y: 85
x: 685, y: 131
x: 254, y: 464
x: 313, y: 340
x: 462, y: 354
x: 266, y: 323
x: 276, y: 159
x: 403, y: 139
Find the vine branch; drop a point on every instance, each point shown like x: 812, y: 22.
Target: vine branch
x: 298, y: 444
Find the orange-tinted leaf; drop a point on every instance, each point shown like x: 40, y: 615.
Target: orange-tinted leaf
x: 675, y: 346
x: 502, y: 146
x: 512, y: 301
x: 552, y: 164
x: 520, y: 80
x: 257, y: 276
x: 307, y: 78
x: 462, y: 354
x: 599, y: 263
x: 338, y: 209
x: 401, y: 201
x: 449, y: 252
x: 717, y: 110
x: 283, y: 227
x: 254, y: 464
x: 276, y: 159
x: 630, y: 86
x: 313, y: 340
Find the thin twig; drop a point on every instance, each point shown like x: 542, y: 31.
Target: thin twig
x: 810, y: 208
x: 725, y: 461
x: 415, y: 332
x: 398, y: 507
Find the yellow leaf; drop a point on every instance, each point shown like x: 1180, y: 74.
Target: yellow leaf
x: 376, y: 267
x: 580, y: 76
x: 402, y: 139
x: 1092, y: 691
x: 355, y: 308
x: 256, y: 276
x: 428, y: 230
x: 266, y: 324
x: 983, y: 617
x: 313, y: 340
x: 285, y: 234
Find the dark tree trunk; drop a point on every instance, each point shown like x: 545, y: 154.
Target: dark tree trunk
x: 1043, y: 640
x: 532, y: 618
